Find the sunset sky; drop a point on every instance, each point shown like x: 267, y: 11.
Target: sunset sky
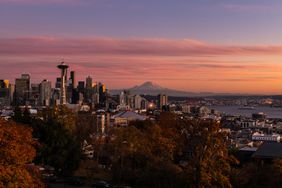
x: 230, y: 46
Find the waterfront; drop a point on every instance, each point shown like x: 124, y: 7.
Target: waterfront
x: 271, y: 112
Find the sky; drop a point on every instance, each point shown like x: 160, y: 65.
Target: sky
x: 232, y: 46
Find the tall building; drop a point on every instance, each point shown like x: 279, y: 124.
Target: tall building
x: 162, y: 101
x: 124, y: 100
x: 89, y: 82
x: 5, y: 93
x: 56, y: 93
x: 22, y: 89
x: 4, y: 84
x: 81, y: 86
x: 12, y: 91
x: 137, y: 102
x: 34, y: 94
x: 102, y: 94
x: 72, y: 79
x: 72, y: 94
x: 58, y: 83
x: 88, y: 89
x: 45, y: 93
x: 63, y: 67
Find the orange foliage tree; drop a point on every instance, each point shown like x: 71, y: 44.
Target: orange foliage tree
x: 209, y: 164
x: 16, y: 151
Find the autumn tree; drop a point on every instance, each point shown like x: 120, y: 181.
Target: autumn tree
x: 208, y: 161
x: 16, y: 151
x: 85, y: 126
x: 171, y: 152
x: 143, y: 156
x: 62, y: 115
x: 258, y: 174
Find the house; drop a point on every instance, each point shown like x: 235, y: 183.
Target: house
x: 269, y: 150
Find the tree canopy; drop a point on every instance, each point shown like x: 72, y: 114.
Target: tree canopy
x: 171, y: 152
x: 55, y: 131
x: 16, y: 151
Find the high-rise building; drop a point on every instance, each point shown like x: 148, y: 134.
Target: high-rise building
x: 56, y: 93
x: 5, y: 93
x: 137, y: 102
x: 88, y: 89
x: 72, y: 94
x: 12, y: 91
x: 34, y: 94
x: 63, y: 67
x: 81, y: 86
x: 22, y: 89
x: 58, y: 83
x: 124, y: 100
x: 102, y: 94
x: 72, y: 79
x: 4, y: 83
x: 45, y: 93
x: 89, y: 82
x: 162, y: 101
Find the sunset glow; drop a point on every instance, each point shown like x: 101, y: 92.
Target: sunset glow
x: 132, y: 43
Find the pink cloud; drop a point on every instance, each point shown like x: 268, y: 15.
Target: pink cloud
x: 190, y: 65
x: 113, y: 46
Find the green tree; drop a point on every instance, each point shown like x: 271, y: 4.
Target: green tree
x: 56, y: 131
x: 58, y: 147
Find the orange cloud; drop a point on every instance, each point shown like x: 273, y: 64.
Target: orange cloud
x: 181, y: 64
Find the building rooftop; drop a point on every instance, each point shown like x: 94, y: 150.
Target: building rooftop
x: 129, y: 115
x: 269, y: 150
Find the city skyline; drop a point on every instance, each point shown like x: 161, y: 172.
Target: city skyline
x: 203, y: 46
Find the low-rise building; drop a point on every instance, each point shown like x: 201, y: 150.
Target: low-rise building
x: 266, y: 137
x: 123, y: 118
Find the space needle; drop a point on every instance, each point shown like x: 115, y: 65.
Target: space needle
x: 63, y: 68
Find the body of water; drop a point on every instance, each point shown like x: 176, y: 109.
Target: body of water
x: 271, y: 112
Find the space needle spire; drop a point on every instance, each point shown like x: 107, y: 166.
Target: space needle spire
x: 63, y: 68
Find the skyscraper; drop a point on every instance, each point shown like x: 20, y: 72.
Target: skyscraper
x: 45, y: 93
x: 89, y: 82
x: 72, y: 79
x: 81, y: 86
x: 88, y: 89
x: 5, y: 93
x: 137, y: 102
x: 34, y: 94
x: 58, y: 83
x: 63, y: 67
x: 162, y: 101
x: 22, y: 89
x: 4, y: 83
